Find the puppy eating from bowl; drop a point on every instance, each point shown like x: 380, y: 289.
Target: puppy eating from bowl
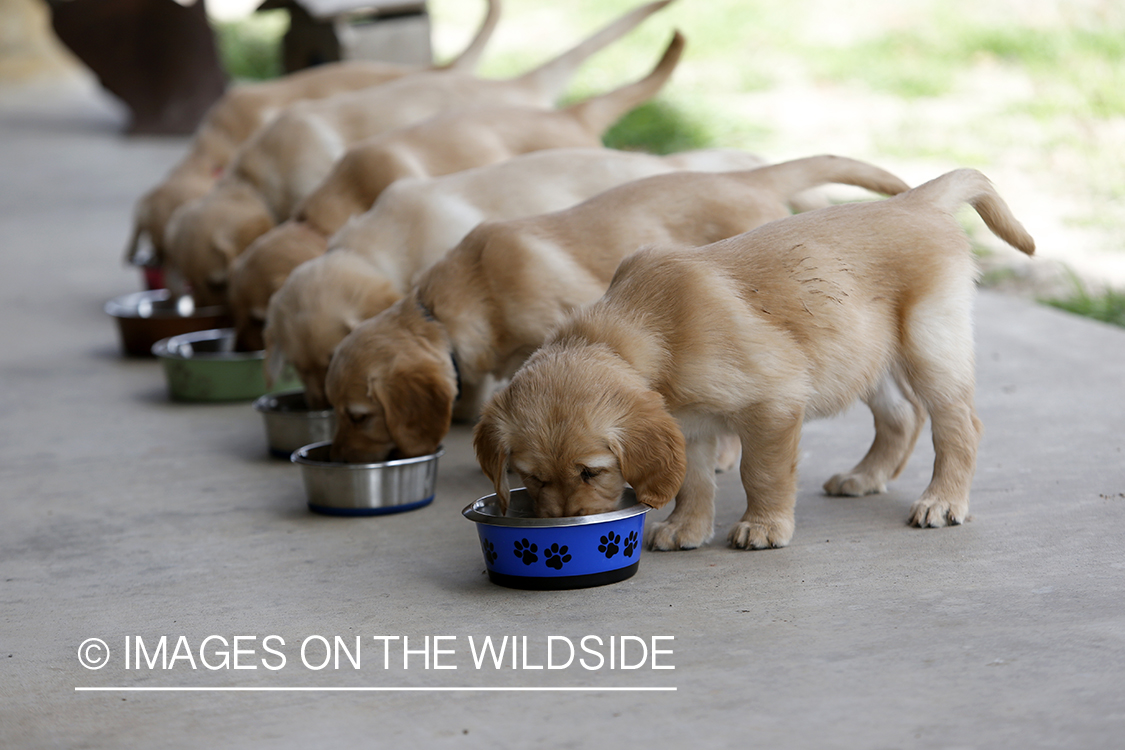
x: 444, y: 144
x: 492, y: 300
x: 754, y: 334
x: 372, y: 261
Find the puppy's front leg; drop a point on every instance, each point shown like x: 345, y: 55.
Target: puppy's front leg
x: 692, y: 522
x: 770, y: 449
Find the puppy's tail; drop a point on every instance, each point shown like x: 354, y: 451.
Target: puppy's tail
x: 598, y: 113
x: 470, y: 57
x: 792, y: 177
x: 549, y: 80
x: 953, y: 189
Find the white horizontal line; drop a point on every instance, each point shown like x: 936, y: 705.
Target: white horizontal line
x: 377, y: 689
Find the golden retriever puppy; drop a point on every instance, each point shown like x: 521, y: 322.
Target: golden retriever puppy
x: 245, y: 108
x: 415, y: 222
x: 284, y: 161
x: 261, y: 270
x: 794, y: 320
x: 438, y: 146
x: 359, y: 289
x: 492, y: 300
x: 463, y: 139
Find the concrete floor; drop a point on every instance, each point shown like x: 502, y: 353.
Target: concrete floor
x: 125, y: 516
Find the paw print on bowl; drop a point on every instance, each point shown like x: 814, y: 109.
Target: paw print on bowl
x: 489, y: 549
x: 631, y: 543
x: 556, y: 556
x: 526, y: 551
x: 609, y: 544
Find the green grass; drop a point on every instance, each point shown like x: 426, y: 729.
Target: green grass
x: 1073, y: 70
x: 250, y: 48
x: 1043, y: 84
x: 909, y: 65
x: 659, y: 128
x: 1107, y: 306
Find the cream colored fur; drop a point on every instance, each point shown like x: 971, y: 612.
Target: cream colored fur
x: 284, y: 161
x: 491, y: 301
x: 260, y: 271
x: 415, y: 222
x: 441, y: 145
x: 794, y: 320
x: 245, y: 108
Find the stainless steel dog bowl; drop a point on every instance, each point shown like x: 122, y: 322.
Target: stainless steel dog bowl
x: 525, y: 552
x: 204, y: 366
x: 143, y: 318
x: 343, y: 489
x: 291, y: 424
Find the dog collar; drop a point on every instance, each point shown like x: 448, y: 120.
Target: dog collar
x: 428, y: 314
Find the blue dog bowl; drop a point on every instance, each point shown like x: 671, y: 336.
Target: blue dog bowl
x: 525, y: 552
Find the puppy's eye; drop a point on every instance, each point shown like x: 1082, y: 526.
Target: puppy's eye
x: 358, y: 418
x: 534, y: 480
x: 588, y: 474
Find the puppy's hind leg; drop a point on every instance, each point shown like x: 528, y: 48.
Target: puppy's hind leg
x: 898, y: 421
x: 770, y: 448
x: 692, y: 522
x: 941, y: 372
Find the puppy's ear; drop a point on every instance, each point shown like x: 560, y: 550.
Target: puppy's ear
x: 226, y: 245
x: 352, y: 320
x: 492, y: 455
x: 651, y: 451
x: 134, y: 245
x: 418, y: 404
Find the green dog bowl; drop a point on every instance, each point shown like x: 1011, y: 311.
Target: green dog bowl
x: 204, y: 366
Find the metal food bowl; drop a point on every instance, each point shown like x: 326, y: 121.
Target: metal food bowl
x: 291, y: 424
x: 344, y: 489
x: 143, y: 318
x: 525, y: 552
x: 204, y: 366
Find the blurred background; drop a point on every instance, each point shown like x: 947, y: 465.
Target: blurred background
x: 1031, y: 92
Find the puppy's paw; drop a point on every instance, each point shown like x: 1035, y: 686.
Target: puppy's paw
x: 854, y: 485
x: 670, y: 535
x: 760, y: 534
x: 936, y: 512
